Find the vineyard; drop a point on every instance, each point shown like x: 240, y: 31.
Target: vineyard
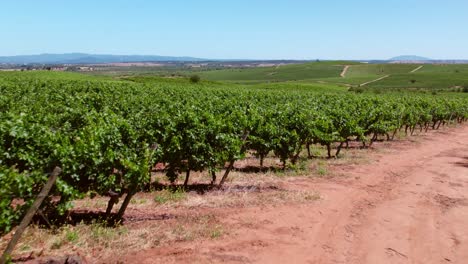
x: 432, y: 77
x: 108, y: 136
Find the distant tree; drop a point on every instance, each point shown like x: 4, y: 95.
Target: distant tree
x: 358, y: 89
x: 195, y: 78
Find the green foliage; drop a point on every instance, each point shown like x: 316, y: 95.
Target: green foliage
x: 447, y: 77
x: 169, y: 195
x: 108, y: 135
x: 17, y: 192
x: 361, y: 73
x: 429, y: 77
x: 291, y: 72
x: 71, y: 236
x: 376, y: 70
x: 195, y: 78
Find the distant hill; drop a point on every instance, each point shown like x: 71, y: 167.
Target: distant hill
x: 409, y: 58
x: 83, y: 58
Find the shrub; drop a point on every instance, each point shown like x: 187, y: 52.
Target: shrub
x: 195, y: 78
x: 168, y: 195
x: 359, y: 90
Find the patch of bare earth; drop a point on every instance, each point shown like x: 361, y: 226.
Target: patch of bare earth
x: 399, y: 202
x: 409, y: 205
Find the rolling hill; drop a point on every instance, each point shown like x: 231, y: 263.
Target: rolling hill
x: 83, y: 58
x: 409, y: 58
x: 280, y: 73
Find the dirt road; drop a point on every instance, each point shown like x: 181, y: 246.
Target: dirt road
x: 345, y: 70
x: 376, y: 80
x: 417, y: 69
x: 408, y: 205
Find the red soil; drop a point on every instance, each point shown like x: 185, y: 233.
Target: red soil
x: 409, y: 205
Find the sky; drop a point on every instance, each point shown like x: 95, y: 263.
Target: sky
x: 241, y: 29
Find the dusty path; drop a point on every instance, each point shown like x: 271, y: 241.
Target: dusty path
x: 345, y: 70
x: 409, y: 205
x: 417, y: 69
x: 376, y: 80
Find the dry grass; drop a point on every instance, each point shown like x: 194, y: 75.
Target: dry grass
x: 194, y: 214
x: 191, y: 221
x: 98, y: 241
x: 247, y: 198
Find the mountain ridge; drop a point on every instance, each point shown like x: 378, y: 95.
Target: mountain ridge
x: 409, y: 58
x: 85, y: 58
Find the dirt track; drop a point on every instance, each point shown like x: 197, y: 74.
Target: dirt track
x: 376, y: 80
x: 409, y: 205
x: 345, y: 70
x: 417, y: 69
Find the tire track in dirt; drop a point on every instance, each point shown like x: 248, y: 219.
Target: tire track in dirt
x: 373, y: 81
x: 408, y: 206
x: 417, y: 69
x: 345, y: 70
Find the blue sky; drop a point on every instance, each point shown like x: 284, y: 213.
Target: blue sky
x: 254, y: 29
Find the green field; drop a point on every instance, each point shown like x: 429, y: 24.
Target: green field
x: 108, y: 134
x: 282, y: 86
x: 51, y: 75
x: 142, y: 135
x: 328, y: 72
x: 319, y: 76
x: 280, y: 73
x: 375, y: 70
x: 358, y: 74
x: 429, y: 77
x: 327, y: 75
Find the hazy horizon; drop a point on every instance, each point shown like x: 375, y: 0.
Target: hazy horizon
x: 257, y: 30
x: 214, y: 59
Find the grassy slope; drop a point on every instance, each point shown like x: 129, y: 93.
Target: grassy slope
x: 436, y: 77
x: 298, y: 86
x: 164, y: 81
x: 325, y: 76
x: 319, y: 76
x: 325, y: 72
x: 289, y: 86
x: 358, y: 74
x: 445, y: 68
x: 51, y: 75
x: 293, y: 72
x: 376, y: 70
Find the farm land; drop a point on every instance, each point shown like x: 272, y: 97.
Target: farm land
x: 317, y: 161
